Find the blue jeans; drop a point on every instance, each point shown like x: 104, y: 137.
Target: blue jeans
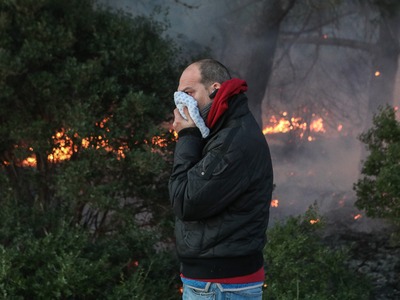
x: 216, y: 291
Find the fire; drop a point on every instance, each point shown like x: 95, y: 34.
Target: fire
x: 314, y: 221
x: 284, y: 124
x: 29, y: 162
x: 377, y: 73
x: 64, y: 146
x: 159, y: 141
x: 317, y: 125
x: 358, y: 216
x: 102, y: 123
x: 275, y: 203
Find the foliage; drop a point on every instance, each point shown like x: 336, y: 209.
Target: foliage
x: 83, y: 94
x: 378, y: 191
x: 84, y: 152
x: 300, y: 266
x: 63, y: 263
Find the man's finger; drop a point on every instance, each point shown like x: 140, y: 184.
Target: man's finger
x: 188, y: 116
x: 177, y: 115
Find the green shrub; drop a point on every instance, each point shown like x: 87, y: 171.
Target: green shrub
x: 300, y: 266
x: 378, y: 191
x: 66, y: 263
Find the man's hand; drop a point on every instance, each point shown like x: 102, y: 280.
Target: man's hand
x: 179, y: 122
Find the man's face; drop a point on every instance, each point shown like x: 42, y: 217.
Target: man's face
x: 190, y: 84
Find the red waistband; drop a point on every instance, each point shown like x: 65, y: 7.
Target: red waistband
x: 254, y: 277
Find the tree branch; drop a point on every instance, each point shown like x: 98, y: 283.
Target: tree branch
x: 337, y: 42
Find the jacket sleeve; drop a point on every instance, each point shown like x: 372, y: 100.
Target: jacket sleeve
x: 201, y: 187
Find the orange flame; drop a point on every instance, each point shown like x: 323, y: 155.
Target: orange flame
x: 285, y: 124
x: 314, y: 221
x: 275, y: 203
x: 65, y: 148
x: 317, y: 125
x: 159, y: 141
x: 29, y: 162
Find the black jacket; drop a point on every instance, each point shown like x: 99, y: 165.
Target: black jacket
x: 220, y: 191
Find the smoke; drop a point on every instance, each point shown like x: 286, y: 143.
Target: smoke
x: 191, y: 23
x: 308, y: 78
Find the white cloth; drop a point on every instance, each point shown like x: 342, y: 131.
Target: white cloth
x: 181, y: 100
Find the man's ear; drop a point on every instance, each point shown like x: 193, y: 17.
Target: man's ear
x: 216, y: 85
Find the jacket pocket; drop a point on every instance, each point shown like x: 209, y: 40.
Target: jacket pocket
x: 191, y: 235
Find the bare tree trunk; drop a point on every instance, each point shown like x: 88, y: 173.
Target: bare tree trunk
x: 385, y: 64
x: 252, y: 55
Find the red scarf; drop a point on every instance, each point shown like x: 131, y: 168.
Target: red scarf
x: 228, y: 89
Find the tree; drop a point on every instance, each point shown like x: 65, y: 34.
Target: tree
x: 355, y: 69
x: 91, y: 81
x: 84, y: 155
x: 251, y: 54
x: 385, y: 54
x: 378, y: 191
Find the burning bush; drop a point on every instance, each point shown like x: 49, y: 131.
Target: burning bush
x: 84, y: 91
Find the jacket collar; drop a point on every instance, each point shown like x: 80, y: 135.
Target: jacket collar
x: 238, y: 107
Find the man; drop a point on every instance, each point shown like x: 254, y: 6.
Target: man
x: 220, y: 188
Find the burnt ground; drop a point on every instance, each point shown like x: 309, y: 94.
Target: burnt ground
x: 373, y: 251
